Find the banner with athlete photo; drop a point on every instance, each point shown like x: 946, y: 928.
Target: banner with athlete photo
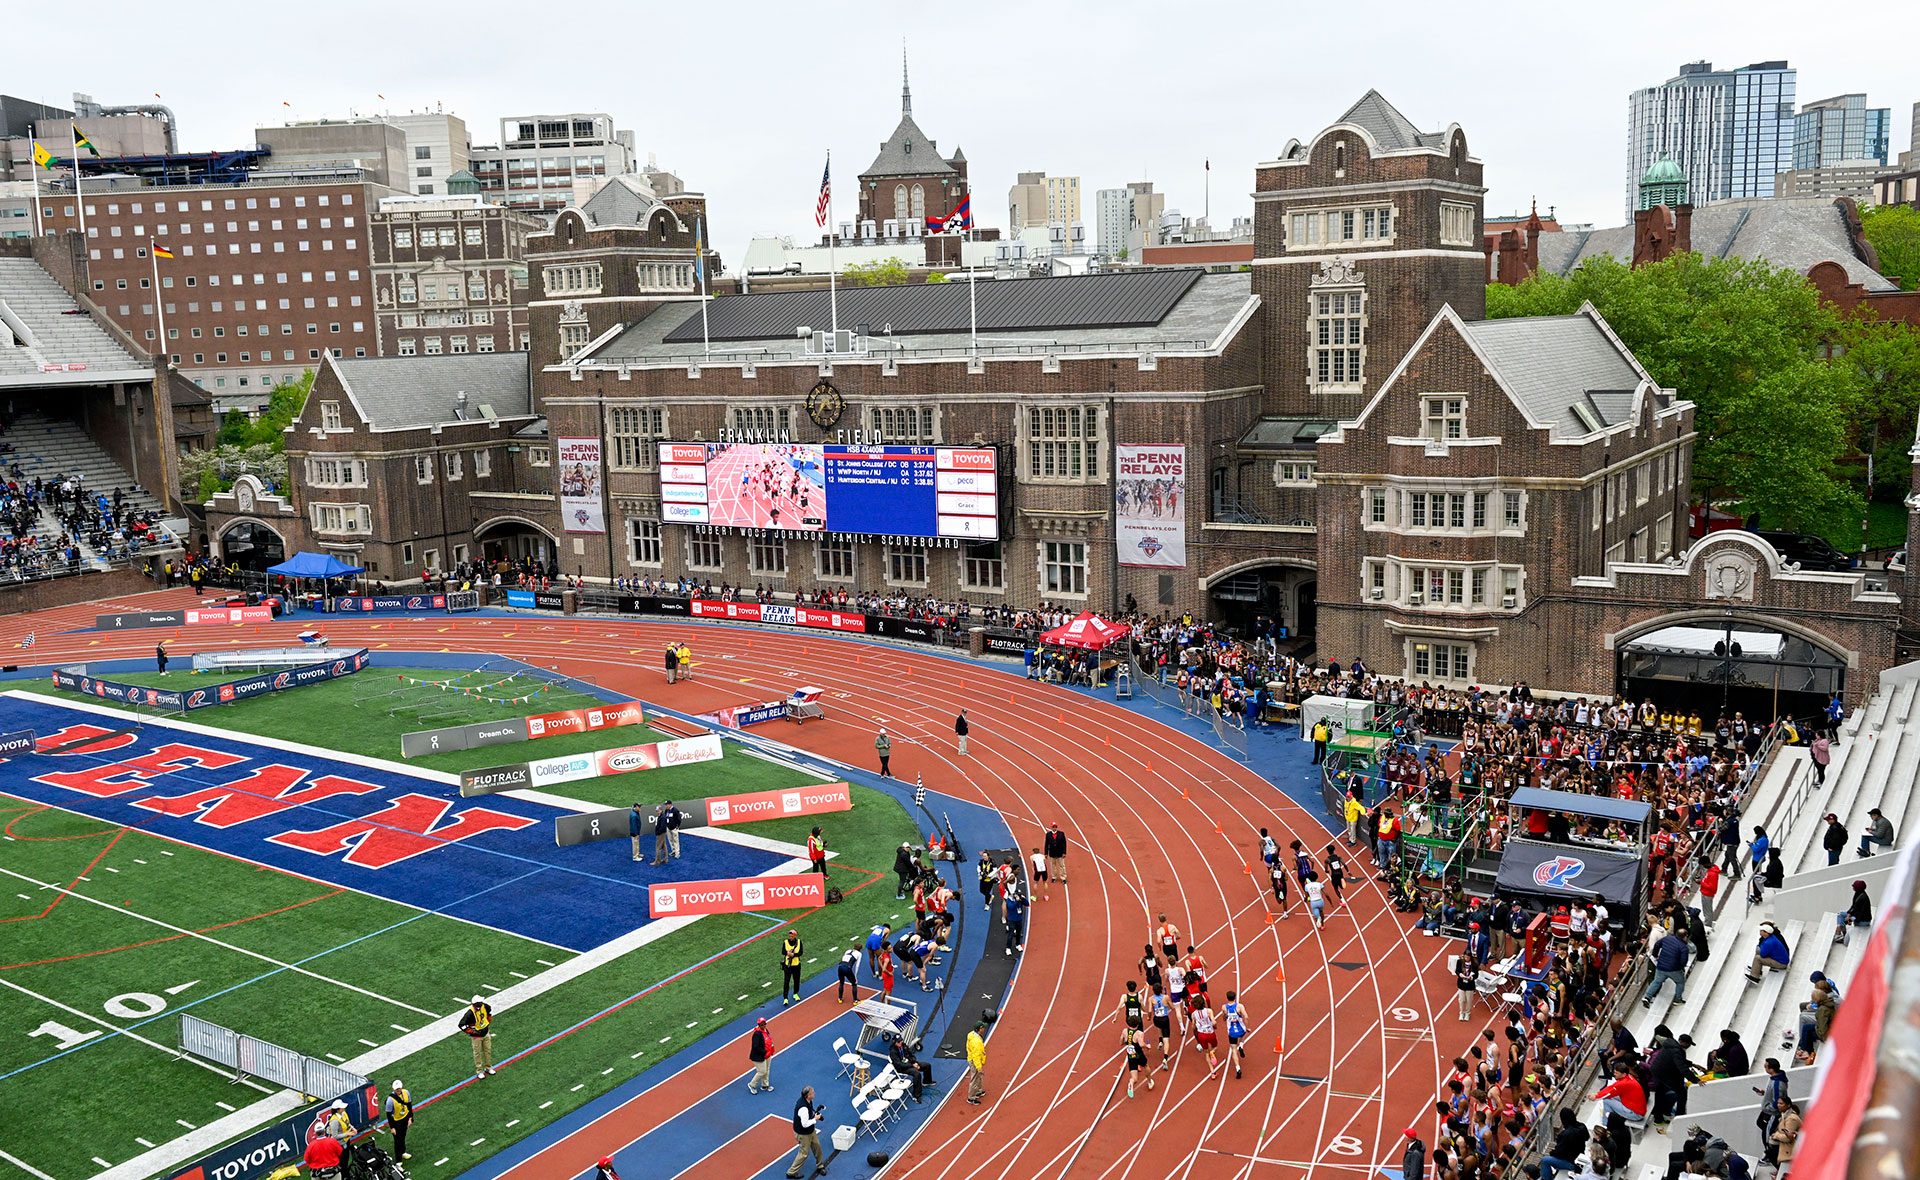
x: 1150, y: 505
x: 578, y: 462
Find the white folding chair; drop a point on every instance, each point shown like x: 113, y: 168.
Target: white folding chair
x: 873, y: 1117
x: 848, y: 1058
x: 1489, y: 988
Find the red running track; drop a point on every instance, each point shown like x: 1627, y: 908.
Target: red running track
x: 1157, y: 823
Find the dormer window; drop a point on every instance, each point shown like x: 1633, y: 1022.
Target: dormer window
x: 1445, y: 418
x: 329, y: 415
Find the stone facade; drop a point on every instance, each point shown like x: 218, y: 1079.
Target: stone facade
x: 449, y: 276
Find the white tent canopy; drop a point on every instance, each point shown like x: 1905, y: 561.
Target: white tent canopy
x: 1699, y: 641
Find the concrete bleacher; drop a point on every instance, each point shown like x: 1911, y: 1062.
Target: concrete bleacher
x: 38, y: 328
x: 1875, y: 762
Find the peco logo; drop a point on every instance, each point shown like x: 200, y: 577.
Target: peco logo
x: 665, y: 901
x: 752, y: 893
x: 790, y: 802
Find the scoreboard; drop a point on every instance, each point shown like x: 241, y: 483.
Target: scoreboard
x: 887, y: 491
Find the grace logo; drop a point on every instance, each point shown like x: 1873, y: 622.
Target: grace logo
x: 718, y: 810
x: 665, y: 901
x: 790, y: 802
x: 626, y: 760
x: 752, y: 893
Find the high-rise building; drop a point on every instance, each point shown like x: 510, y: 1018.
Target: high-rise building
x: 540, y: 156
x: 1113, y: 220
x: 377, y: 148
x: 1730, y: 131
x: 1840, y: 128
x: 1063, y: 200
x: 436, y: 149
x: 1026, y: 201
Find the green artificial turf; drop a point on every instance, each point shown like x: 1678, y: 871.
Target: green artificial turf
x: 119, y: 1089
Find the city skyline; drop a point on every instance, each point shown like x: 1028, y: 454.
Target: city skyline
x: 1550, y: 129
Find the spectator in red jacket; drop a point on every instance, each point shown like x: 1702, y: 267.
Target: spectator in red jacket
x: 1625, y: 1097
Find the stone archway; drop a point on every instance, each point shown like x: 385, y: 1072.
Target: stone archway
x: 252, y: 545
x: 1251, y: 593
x: 513, y: 539
x: 1724, y: 662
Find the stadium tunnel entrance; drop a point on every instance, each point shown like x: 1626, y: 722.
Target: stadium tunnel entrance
x: 252, y: 546
x: 1730, y: 665
x: 513, y: 539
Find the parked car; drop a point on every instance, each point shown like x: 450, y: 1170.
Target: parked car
x: 1897, y: 563
x: 1807, y: 551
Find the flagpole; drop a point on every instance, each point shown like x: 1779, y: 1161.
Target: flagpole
x: 79, y: 198
x: 833, y: 231
x: 973, y: 310
x: 159, y: 305
x: 33, y: 157
x: 700, y: 261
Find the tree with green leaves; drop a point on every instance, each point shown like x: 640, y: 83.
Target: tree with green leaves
x: 938, y: 276
x: 1894, y: 233
x: 1748, y: 344
x: 247, y: 444
x: 887, y: 272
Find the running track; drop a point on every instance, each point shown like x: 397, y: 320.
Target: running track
x: 1156, y: 821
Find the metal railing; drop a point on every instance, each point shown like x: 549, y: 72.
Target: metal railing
x: 1230, y: 734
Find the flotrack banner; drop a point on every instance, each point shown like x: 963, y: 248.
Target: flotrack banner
x: 580, y: 475
x: 76, y: 678
x: 674, y: 899
x: 590, y: 764
x: 1150, y: 505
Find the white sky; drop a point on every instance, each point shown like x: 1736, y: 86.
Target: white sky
x: 742, y: 99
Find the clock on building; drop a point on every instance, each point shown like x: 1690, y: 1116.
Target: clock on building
x: 825, y: 405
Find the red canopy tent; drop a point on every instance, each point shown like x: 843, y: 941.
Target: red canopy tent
x: 1088, y: 631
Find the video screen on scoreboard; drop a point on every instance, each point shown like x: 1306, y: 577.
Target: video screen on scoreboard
x: 897, y: 491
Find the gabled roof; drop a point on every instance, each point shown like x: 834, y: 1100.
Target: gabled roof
x: 908, y: 152
x: 623, y: 200
x: 398, y: 392
x: 1796, y: 233
x: 1390, y: 129
x: 1567, y: 372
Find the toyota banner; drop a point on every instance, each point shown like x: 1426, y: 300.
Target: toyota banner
x: 685, y: 899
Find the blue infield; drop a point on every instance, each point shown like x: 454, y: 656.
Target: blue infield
x: 404, y: 837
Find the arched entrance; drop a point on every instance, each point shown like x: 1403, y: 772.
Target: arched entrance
x: 252, y: 546
x: 513, y: 539
x: 1247, y: 597
x: 1730, y: 665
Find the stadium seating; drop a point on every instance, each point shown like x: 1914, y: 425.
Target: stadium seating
x: 36, y: 329
x: 1875, y: 760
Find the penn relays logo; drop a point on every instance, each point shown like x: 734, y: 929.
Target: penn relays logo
x: 1151, y: 546
x: 282, y: 680
x: 416, y: 603
x: 196, y: 698
x: 1559, y: 872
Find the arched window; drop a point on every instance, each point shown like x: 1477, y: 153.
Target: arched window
x: 900, y: 202
x: 919, y: 203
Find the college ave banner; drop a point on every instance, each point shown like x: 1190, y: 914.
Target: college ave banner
x: 580, y: 475
x: 676, y: 899
x: 1150, y: 505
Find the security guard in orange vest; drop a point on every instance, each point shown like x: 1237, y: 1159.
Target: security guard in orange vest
x: 790, y: 952
x: 817, y: 852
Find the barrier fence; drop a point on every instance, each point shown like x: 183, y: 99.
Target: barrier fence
x: 1230, y: 734
x: 252, y: 1057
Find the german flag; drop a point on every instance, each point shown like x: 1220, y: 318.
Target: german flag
x: 81, y: 141
x: 160, y: 251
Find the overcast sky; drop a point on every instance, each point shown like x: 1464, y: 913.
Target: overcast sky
x: 742, y: 99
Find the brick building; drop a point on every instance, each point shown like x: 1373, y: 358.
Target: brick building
x: 400, y: 463
x: 909, y: 181
x: 449, y: 276
x: 265, y: 278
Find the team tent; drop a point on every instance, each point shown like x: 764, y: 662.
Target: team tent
x: 315, y: 565
x: 1087, y: 631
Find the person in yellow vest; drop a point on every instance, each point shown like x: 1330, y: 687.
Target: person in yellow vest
x: 790, y: 952
x: 1322, y: 734
x: 686, y: 662
x: 399, y: 1118
x: 977, y: 1064
x: 1355, y: 812
x: 817, y: 851
x: 477, y: 1023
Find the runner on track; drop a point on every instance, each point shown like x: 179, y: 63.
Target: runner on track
x: 1169, y: 938
x: 1236, y: 1016
x: 1136, y: 1055
x: 1162, y: 1013
x: 1204, y: 1038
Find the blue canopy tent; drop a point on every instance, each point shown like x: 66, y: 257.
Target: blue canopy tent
x: 315, y: 565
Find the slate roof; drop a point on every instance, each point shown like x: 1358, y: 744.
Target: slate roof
x: 1390, y: 129
x: 404, y: 391
x: 909, y: 152
x: 1797, y: 233
x: 623, y: 200
x: 1121, y: 299
x: 1554, y: 363
x: 1208, y: 306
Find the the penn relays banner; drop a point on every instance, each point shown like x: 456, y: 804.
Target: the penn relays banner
x: 591, y: 764
x: 193, y: 617
x: 1150, y: 508
x: 581, y: 510
x: 677, y: 899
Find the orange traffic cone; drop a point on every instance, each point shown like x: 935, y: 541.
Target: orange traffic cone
x: 1280, y: 973
x: 1278, y: 1048
x: 1270, y: 917
x: 1183, y: 792
x: 1217, y: 831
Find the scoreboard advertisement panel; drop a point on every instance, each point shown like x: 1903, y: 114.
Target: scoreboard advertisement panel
x: 884, y: 491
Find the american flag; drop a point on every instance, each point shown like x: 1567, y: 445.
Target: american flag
x: 826, y: 194
x: 28, y: 641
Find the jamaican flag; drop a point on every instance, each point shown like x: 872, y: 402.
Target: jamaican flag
x: 81, y: 141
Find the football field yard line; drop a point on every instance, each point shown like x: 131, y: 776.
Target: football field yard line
x: 24, y: 1166
x: 121, y: 1032
x: 240, y: 949
x: 172, y: 1154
